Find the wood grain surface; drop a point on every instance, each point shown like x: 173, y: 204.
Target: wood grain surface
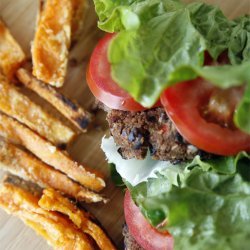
x: 20, y: 16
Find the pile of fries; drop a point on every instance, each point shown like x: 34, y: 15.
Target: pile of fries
x: 56, y: 218
x: 32, y: 140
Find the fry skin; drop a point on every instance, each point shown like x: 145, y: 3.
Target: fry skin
x: 53, y: 201
x: 26, y: 166
x: 19, y: 106
x: 15, y: 132
x: 72, y: 111
x: 11, y: 54
x: 52, y: 41
x: 59, y: 232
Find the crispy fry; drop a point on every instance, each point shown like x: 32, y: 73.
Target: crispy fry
x: 19, y: 106
x: 59, y: 236
x: 26, y: 166
x: 58, y: 231
x: 13, y: 131
x: 80, y: 118
x: 29, y: 187
x: 52, y: 41
x: 79, y: 11
x: 11, y: 54
x: 53, y: 201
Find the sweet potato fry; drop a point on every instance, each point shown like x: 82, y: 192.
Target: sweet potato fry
x: 57, y: 230
x: 52, y: 41
x: 19, y: 106
x: 53, y: 201
x: 26, y: 166
x: 59, y: 236
x: 11, y: 54
x: 79, y: 10
x: 30, y: 187
x: 15, y: 132
x: 80, y: 118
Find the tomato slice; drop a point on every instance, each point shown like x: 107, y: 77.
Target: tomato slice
x: 183, y: 105
x: 101, y: 83
x: 145, y: 235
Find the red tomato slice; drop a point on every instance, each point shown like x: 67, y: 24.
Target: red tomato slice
x: 145, y: 235
x: 183, y: 102
x: 101, y: 83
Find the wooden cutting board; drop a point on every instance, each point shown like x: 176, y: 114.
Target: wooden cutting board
x: 20, y: 16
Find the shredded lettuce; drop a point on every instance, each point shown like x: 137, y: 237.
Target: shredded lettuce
x: 162, y: 42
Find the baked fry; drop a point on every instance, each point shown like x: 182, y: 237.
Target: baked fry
x: 79, y: 10
x: 19, y: 106
x: 11, y: 54
x: 52, y: 41
x: 26, y: 166
x: 80, y: 118
x: 59, y: 236
x: 15, y: 132
x: 30, y: 187
x: 59, y: 232
x: 53, y: 201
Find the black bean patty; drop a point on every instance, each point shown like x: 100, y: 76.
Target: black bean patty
x: 137, y: 132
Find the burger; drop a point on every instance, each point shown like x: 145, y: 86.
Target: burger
x: 174, y: 79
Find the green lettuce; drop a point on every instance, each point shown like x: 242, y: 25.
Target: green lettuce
x: 153, y: 56
x: 115, y: 176
x: 162, y: 42
x: 241, y: 117
x: 212, y: 24
x: 239, y: 45
x: 209, y: 207
x: 206, y: 202
x: 115, y: 16
x: 168, y: 49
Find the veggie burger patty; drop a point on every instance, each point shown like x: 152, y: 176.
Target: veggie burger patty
x: 137, y: 132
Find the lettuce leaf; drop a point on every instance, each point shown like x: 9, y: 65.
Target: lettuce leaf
x: 206, y: 203
x: 239, y: 45
x: 115, y: 176
x: 212, y: 25
x: 241, y: 117
x: 162, y: 42
x: 169, y: 49
x: 115, y: 16
x: 208, y: 209
x: 154, y: 57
